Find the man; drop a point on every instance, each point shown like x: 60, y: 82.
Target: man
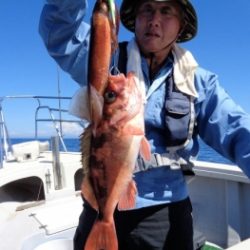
x: 184, y: 101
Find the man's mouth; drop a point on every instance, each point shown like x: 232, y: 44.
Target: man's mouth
x: 152, y: 34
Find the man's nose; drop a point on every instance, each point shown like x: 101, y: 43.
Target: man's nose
x: 154, y: 16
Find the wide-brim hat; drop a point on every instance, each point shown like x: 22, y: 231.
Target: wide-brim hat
x: 128, y: 12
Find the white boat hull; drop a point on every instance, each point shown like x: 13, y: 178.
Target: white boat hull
x: 219, y: 193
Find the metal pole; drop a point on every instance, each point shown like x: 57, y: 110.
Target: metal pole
x: 59, y: 100
x: 6, y: 148
x: 56, y: 162
x: 1, y: 147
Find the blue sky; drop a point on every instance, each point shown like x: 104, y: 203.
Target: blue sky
x: 221, y: 46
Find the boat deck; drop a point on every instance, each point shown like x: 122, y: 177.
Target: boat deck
x: 51, y: 220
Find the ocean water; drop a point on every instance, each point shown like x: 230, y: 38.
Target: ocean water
x: 206, y: 153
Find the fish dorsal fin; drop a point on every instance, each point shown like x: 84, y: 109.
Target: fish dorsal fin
x: 85, y: 146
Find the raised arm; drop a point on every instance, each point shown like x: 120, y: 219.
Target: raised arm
x: 66, y: 35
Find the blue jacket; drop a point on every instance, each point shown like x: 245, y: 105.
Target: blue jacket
x: 221, y: 123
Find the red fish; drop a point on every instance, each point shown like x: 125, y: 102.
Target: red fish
x: 115, y: 137
x: 115, y: 145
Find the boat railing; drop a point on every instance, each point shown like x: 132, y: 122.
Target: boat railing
x: 55, y: 115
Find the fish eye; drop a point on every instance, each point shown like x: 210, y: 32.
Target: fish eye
x: 110, y: 96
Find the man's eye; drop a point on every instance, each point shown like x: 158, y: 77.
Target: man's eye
x: 110, y: 96
x: 168, y: 11
x: 146, y: 10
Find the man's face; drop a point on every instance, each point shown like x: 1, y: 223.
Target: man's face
x: 157, y: 24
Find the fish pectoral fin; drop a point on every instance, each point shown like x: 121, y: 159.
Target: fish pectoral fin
x: 145, y: 150
x: 88, y: 193
x: 128, y: 198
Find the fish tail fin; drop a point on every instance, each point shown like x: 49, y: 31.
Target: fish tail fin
x: 102, y: 236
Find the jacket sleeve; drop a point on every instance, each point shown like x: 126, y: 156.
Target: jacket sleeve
x: 66, y: 35
x: 223, y: 124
